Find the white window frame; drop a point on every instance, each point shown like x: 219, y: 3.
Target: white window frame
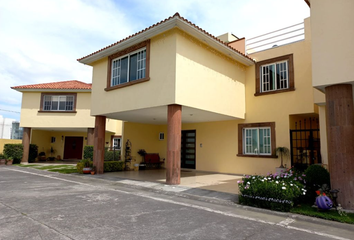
x: 69, y: 104
x: 119, y: 142
x: 267, y: 141
x: 265, y: 79
x: 140, y: 68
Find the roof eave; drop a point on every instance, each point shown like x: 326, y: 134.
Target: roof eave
x: 163, y: 27
x: 50, y: 90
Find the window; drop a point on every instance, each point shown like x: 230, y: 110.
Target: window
x: 161, y: 136
x: 256, y: 139
x: 129, y: 66
x: 58, y: 102
x: 116, y: 142
x: 275, y: 75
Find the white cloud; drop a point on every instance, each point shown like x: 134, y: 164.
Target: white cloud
x: 41, y: 39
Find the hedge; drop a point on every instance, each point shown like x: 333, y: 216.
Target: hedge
x: 14, y: 151
x: 88, y: 152
x: 108, y: 166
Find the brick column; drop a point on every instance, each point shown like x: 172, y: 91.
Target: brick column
x: 90, y: 136
x: 98, y: 144
x: 340, y: 140
x: 26, y: 138
x: 174, y: 125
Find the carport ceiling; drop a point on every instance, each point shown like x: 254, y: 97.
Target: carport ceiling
x: 158, y: 115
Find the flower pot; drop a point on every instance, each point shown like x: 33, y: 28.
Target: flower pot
x: 86, y: 170
x: 324, y: 203
x: 2, y: 161
x: 9, y: 162
x: 93, y: 172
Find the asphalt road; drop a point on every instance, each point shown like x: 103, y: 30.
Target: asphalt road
x: 37, y: 204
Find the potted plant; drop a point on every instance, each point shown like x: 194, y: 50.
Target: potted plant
x: 142, y: 153
x: 51, y: 151
x: 87, y: 166
x: 2, y: 159
x: 41, y: 156
x: 93, y: 170
x: 283, y: 152
x: 9, y: 161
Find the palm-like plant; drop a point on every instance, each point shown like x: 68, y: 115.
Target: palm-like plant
x: 283, y: 151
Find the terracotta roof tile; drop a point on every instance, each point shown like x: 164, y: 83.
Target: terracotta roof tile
x: 156, y: 24
x: 72, y: 84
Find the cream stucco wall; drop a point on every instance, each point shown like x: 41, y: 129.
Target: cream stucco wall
x: 42, y: 139
x: 158, y: 91
x: 208, y: 80
x: 332, y: 41
x: 182, y: 71
x: 30, y: 117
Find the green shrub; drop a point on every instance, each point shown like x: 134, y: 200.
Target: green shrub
x: 83, y: 163
x: 79, y: 167
x: 113, y: 166
x: 88, y: 152
x: 2, y: 156
x: 275, y: 192
x: 33, y: 152
x: 112, y: 155
x: 316, y: 176
x: 14, y: 151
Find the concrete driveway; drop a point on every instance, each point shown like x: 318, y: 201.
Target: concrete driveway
x: 37, y: 204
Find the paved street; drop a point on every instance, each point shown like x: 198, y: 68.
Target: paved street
x: 37, y: 204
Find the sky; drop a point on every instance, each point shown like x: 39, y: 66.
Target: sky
x: 41, y: 40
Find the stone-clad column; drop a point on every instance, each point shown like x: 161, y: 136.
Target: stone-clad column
x: 26, y: 138
x: 340, y: 139
x: 90, y: 136
x: 174, y: 127
x: 98, y: 145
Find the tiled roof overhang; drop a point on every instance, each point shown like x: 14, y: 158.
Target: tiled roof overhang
x: 163, y: 26
x: 67, y: 86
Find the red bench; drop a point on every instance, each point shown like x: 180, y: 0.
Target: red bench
x: 152, y: 160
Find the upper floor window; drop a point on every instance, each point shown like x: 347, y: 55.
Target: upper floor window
x: 129, y: 66
x: 58, y: 102
x: 275, y: 75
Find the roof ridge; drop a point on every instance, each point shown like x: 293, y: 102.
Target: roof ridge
x: 68, y: 84
x: 176, y: 15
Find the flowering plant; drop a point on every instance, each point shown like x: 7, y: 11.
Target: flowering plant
x: 276, y: 192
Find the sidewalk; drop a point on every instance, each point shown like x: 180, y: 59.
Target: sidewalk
x: 213, y: 186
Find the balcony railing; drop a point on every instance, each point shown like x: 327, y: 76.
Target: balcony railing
x: 276, y: 38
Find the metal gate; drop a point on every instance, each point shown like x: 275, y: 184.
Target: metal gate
x: 305, y: 147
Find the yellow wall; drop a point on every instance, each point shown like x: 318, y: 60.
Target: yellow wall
x: 6, y: 141
x: 159, y: 91
x: 144, y: 136
x: 205, y: 79
x: 30, y: 117
x: 332, y: 41
x: 208, y: 80
x: 43, y: 140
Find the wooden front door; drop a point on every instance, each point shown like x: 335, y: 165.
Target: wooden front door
x: 188, y: 142
x: 73, y: 147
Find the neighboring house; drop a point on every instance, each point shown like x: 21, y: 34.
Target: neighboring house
x: 57, y: 116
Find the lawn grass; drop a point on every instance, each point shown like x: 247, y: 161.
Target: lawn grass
x: 308, y: 210
x: 66, y: 169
